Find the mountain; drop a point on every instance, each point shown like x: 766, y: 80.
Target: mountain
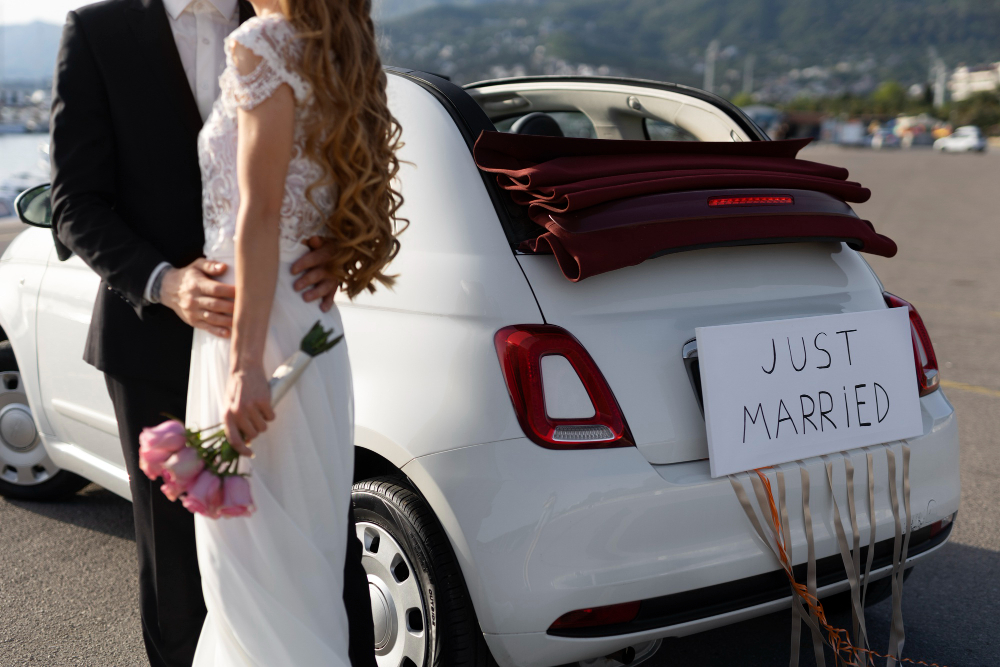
x: 799, y: 47
x: 385, y: 10
x: 29, y: 51
x: 819, y: 46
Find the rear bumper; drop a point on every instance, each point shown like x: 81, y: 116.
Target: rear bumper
x: 538, y: 648
x: 704, y: 603
x: 539, y: 533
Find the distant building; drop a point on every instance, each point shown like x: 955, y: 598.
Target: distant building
x: 966, y: 81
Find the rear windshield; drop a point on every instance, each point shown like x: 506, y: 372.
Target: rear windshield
x: 572, y: 123
x: 660, y: 130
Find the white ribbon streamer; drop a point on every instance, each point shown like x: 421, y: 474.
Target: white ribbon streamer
x: 778, y: 537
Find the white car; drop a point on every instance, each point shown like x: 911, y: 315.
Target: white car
x: 966, y: 139
x: 485, y: 540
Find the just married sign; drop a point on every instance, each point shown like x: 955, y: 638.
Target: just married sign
x: 790, y: 389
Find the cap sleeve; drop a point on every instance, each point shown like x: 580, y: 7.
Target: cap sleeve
x: 273, y: 40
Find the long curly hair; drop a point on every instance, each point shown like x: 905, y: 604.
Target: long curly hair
x: 352, y: 136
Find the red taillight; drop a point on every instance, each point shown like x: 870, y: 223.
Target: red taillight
x: 775, y: 200
x: 589, y: 618
x: 520, y: 349
x: 923, y: 351
x: 939, y: 527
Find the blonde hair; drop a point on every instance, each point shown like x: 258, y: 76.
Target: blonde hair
x: 352, y: 135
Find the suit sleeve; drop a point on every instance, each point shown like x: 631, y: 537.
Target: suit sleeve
x: 83, y: 175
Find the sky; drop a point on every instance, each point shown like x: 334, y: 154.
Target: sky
x: 13, y: 12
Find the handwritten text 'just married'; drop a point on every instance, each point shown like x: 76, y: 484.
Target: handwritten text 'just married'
x: 862, y: 404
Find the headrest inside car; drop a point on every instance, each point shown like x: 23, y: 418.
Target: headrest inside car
x: 537, y: 124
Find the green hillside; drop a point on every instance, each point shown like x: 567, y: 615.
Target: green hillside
x: 390, y: 9
x: 824, y: 46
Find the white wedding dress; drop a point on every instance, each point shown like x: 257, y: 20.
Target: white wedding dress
x: 273, y: 582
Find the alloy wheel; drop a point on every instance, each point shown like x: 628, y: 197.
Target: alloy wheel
x: 23, y: 460
x: 398, y: 609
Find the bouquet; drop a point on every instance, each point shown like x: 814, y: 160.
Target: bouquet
x: 200, y: 467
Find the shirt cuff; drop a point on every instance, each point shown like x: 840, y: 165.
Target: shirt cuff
x: 147, y: 295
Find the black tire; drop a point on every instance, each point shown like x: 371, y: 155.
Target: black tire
x: 63, y: 483
x: 453, y: 637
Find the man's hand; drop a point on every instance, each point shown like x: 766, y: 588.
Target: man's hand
x: 198, y: 299
x: 317, y: 279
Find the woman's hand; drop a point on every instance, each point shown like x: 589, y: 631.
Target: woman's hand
x: 248, y: 398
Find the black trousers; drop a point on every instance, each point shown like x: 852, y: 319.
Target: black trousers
x: 170, y: 599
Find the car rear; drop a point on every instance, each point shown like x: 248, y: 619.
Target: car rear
x: 640, y: 527
x: 601, y: 528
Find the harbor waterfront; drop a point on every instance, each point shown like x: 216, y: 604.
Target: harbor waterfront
x: 19, y: 153
x: 22, y: 164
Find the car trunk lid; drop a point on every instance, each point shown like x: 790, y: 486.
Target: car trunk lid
x: 638, y: 322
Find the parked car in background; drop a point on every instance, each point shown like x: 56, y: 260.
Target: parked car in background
x: 966, y: 139
x: 845, y: 133
x: 537, y: 531
x: 923, y: 139
x: 884, y: 139
x: 769, y: 119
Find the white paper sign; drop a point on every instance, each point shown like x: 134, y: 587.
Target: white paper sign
x: 790, y: 389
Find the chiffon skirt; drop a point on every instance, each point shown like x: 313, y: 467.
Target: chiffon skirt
x: 273, y: 582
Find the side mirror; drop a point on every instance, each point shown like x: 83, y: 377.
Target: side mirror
x: 34, y: 206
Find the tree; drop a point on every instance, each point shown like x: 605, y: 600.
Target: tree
x: 981, y: 109
x: 742, y: 99
x: 889, y: 98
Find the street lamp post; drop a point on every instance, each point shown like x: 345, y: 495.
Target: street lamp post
x: 710, y: 57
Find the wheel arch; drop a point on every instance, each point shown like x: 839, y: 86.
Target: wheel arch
x: 370, y: 463
x: 20, y: 281
x: 424, y: 483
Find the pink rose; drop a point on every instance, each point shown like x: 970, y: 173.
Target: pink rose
x: 151, y: 461
x: 180, y: 471
x: 205, y: 495
x: 170, y: 435
x: 236, y: 498
x: 185, y: 465
x: 171, y: 489
x: 157, y: 444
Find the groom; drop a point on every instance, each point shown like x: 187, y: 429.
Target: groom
x: 134, y: 82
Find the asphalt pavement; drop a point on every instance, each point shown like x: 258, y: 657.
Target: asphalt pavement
x: 67, y: 569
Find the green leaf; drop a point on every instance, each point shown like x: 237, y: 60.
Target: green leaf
x: 317, y: 341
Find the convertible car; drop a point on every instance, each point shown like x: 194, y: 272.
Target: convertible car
x: 533, y: 532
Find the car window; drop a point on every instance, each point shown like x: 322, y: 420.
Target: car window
x: 659, y: 130
x: 572, y: 123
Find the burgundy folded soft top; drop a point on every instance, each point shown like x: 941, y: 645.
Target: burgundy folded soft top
x: 604, y: 205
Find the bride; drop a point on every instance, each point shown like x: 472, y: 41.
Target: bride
x: 300, y: 143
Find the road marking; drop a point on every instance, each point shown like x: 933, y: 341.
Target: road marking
x: 975, y: 389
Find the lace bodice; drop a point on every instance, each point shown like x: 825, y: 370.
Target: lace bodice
x: 272, y: 39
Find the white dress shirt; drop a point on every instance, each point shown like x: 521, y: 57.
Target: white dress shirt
x: 200, y: 28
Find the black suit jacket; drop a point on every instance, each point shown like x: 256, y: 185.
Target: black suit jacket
x: 126, y: 185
